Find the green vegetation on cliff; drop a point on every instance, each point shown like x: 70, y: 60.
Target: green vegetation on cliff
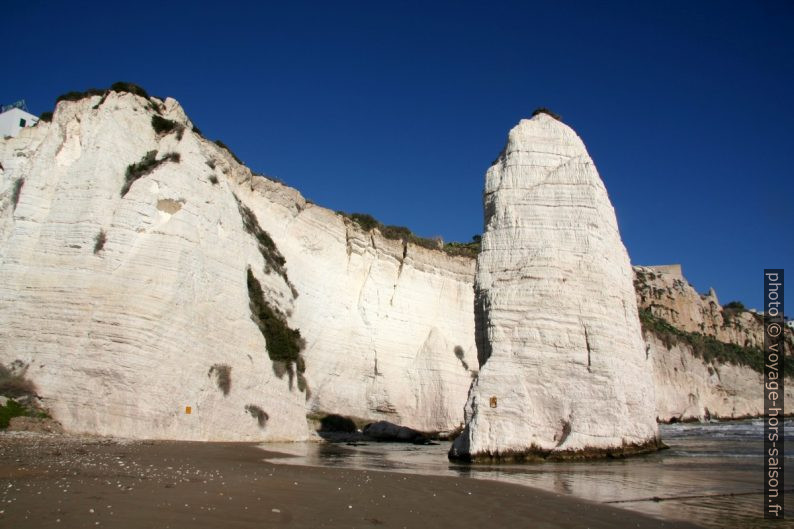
x: 544, y: 110
x: 274, y: 261
x: 20, y: 396
x: 163, y: 126
x: 120, y: 86
x: 145, y: 166
x: 368, y: 223
x: 465, y: 249
x: 708, y: 348
x: 284, y: 344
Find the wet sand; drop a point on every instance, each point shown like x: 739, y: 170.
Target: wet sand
x: 71, y: 481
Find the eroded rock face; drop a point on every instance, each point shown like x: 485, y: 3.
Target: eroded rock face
x: 670, y: 296
x: 563, y: 364
x: 688, y: 386
x: 389, y: 327
x: 385, y: 431
x: 34, y: 424
x: 120, y: 305
x: 127, y: 310
x: 132, y: 303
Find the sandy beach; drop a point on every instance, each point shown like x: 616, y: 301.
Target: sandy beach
x: 72, y: 481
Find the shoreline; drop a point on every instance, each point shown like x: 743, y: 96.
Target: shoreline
x: 82, y: 481
x: 718, y: 419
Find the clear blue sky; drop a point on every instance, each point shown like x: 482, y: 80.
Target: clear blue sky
x: 398, y: 108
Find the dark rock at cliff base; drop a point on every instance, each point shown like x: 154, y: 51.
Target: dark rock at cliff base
x: 385, y: 431
x: 34, y: 424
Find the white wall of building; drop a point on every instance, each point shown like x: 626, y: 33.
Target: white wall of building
x: 12, y: 121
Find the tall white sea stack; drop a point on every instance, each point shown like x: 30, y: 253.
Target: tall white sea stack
x: 563, y: 367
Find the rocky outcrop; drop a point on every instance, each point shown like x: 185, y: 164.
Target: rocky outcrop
x: 668, y: 295
x: 707, y: 359
x: 154, y: 287
x: 34, y: 424
x: 563, y: 369
x: 689, y: 388
x: 388, y: 325
x: 384, y: 431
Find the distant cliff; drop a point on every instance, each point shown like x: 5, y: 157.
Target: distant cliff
x: 708, y: 360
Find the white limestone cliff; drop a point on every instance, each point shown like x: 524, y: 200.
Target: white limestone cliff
x: 670, y: 296
x: 121, y: 337
x: 389, y: 326
x: 689, y: 388
x: 125, y: 337
x: 678, y: 322
x: 563, y: 369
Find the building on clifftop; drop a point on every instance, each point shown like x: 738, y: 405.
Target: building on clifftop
x: 15, y: 117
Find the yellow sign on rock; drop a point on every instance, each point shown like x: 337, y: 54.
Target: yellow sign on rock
x: 188, y: 410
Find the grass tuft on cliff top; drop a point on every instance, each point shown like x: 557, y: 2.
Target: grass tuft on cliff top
x: 119, y: 86
x: 132, y: 88
x: 400, y: 233
x: 544, y: 110
x: 222, y: 145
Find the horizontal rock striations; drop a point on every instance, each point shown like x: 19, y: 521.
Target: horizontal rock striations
x: 669, y: 296
x: 155, y: 288
x: 563, y: 369
x: 707, y: 358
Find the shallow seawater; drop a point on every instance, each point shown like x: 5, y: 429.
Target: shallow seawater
x: 711, y: 475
